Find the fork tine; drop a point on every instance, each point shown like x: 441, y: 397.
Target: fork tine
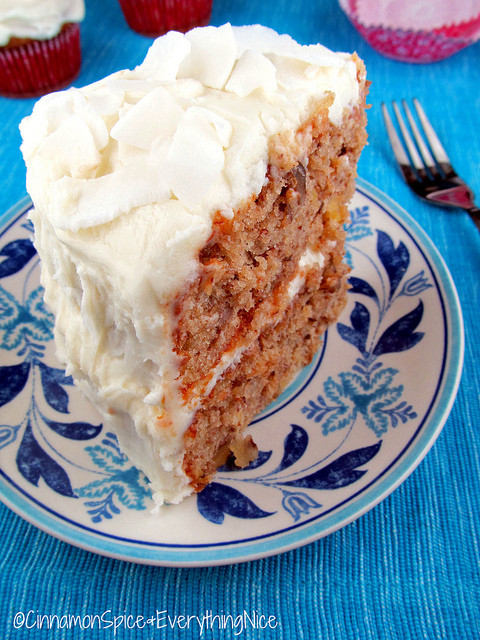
x: 428, y: 160
x: 412, y: 150
x: 397, y: 146
x: 433, y: 178
x: 435, y: 144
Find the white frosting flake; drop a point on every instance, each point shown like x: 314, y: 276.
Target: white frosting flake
x: 126, y: 175
x: 309, y: 259
x: 37, y: 19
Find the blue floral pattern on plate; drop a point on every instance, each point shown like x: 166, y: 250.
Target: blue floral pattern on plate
x: 347, y: 430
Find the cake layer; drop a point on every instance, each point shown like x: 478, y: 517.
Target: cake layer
x: 249, y: 262
x: 187, y: 214
x: 264, y: 369
x: 271, y: 282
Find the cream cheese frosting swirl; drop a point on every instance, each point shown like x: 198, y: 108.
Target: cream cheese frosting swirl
x: 37, y: 19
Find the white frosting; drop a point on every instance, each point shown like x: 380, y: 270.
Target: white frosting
x: 37, y: 19
x: 309, y: 259
x: 229, y: 359
x: 126, y: 175
x: 421, y: 15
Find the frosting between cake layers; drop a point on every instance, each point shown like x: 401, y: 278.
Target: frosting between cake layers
x: 126, y: 176
x: 309, y: 259
x: 37, y: 19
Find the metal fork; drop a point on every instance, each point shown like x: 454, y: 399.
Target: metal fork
x: 427, y: 168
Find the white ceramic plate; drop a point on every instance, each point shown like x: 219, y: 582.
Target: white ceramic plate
x: 351, y: 428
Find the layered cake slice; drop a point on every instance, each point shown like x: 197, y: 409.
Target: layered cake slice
x: 189, y: 217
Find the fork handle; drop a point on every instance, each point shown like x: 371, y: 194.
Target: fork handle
x: 475, y: 216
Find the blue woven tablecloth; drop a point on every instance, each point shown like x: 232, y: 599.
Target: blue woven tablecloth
x: 407, y: 569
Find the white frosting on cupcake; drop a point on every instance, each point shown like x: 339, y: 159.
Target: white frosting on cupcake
x: 126, y: 176
x: 37, y: 19
x: 421, y: 15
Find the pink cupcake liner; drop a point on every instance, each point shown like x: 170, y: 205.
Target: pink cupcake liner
x: 40, y: 66
x: 155, y: 17
x: 408, y: 36
x: 412, y: 46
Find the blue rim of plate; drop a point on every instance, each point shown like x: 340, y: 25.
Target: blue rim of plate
x: 314, y: 528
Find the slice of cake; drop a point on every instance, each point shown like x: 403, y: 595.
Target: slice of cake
x: 189, y: 218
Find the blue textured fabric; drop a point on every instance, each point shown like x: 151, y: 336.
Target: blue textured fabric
x: 407, y: 569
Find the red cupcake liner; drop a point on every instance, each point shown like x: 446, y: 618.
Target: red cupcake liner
x: 155, y: 17
x: 40, y: 66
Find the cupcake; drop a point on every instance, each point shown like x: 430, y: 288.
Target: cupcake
x: 155, y: 17
x: 416, y: 30
x: 39, y: 45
